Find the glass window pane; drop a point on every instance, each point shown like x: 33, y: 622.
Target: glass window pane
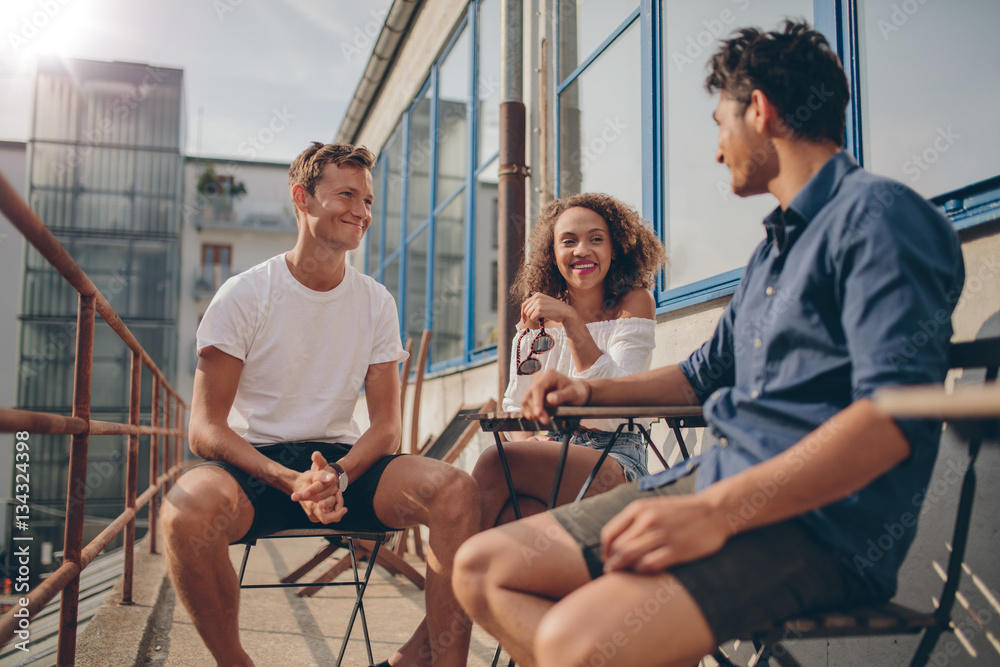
x: 487, y: 213
x: 488, y: 80
x: 449, y: 281
x: 584, y: 25
x: 600, y: 125
x: 930, y: 93
x: 452, y: 129
x: 708, y: 230
x: 414, y: 311
x: 419, y: 161
x: 391, y: 282
x: 393, y: 193
x: 375, y: 229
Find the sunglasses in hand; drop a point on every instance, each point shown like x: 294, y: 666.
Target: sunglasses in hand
x: 541, y: 343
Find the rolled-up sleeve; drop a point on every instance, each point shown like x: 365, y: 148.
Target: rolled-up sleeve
x: 898, y: 290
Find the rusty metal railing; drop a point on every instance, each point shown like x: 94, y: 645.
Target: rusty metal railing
x: 167, y: 423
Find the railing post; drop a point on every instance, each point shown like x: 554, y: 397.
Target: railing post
x: 76, y: 488
x: 132, y: 475
x: 154, y: 468
x: 168, y: 444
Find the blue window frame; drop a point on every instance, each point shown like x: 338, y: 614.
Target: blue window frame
x: 843, y: 21
x: 434, y: 238
x: 432, y: 176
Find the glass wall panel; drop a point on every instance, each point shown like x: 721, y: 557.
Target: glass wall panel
x: 488, y: 79
x: 391, y: 282
x: 415, y: 306
x: 584, y: 25
x: 393, y: 156
x: 707, y: 229
x: 449, y: 281
x: 600, y: 125
x: 487, y: 215
x: 418, y: 160
x: 375, y: 229
x: 923, y: 122
x: 452, y: 126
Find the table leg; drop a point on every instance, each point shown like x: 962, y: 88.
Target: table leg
x: 506, y: 474
x: 600, y: 462
x: 567, y: 434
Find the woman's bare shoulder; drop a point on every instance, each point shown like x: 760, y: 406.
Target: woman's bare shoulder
x: 637, y: 303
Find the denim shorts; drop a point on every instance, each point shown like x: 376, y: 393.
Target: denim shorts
x: 759, y: 578
x: 629, y: 449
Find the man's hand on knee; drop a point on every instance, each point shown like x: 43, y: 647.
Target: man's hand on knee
x: 317, y: 491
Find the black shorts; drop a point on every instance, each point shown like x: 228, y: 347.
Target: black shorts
x: 759, y: 578
x: 273, y: 510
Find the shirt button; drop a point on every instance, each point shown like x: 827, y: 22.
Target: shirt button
x: 769, y: 291
x: 754, y: 394
x: 724, y: 442
x: 757, y: 342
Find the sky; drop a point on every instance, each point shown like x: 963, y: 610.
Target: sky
x: 245, y: 62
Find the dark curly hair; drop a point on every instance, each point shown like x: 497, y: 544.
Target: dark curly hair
x: 795, y: 68
x: 637, y: 253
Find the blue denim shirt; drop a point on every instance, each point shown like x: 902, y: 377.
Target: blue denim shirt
x: 852, y: 290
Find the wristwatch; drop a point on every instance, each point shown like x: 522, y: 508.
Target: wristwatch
x: 341, y: 476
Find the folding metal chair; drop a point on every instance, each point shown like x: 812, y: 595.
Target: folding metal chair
x: 373, y: 541
x: 891, y: 618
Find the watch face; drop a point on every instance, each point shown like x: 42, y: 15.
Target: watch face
x: 343, y: 481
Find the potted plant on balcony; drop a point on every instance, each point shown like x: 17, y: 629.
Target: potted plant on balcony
x: 218, y: 192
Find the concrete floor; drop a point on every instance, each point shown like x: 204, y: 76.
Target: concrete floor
x: 280, y: 628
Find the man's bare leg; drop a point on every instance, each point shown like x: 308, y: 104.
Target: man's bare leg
x: 203, y: 513
x: 508, y: 577
x: 415, y: 490
x: 624, y: 619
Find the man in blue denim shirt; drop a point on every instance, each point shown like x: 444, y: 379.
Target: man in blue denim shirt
x: 810, y: 499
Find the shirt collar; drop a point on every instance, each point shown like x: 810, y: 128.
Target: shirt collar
x: 784, y: 226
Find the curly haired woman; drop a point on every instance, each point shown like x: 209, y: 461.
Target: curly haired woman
x: 586, y: 311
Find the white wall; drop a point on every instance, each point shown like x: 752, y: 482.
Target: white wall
x: 267, y: 194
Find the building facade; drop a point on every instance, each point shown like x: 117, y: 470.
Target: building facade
x: 616, y: 103
x: 105, y: 175
x: 236, y: 214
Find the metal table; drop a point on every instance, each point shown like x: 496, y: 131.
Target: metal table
x: 566, y: 419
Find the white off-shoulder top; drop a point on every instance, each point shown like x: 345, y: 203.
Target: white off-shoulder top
x: 627, y: 347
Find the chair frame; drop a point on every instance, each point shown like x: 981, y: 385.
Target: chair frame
x: 891, y: 618
x: 376, y: 538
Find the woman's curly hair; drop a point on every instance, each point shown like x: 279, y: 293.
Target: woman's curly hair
x: 636, y: 257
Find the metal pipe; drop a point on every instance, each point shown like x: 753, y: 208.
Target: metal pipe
x: 40, y: 422
x: 76, y: 487
x: 131, y: 477
x: 154, y: 457
x: 511, y: 183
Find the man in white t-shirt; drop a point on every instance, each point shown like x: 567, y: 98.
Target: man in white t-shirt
x: 284, y: 351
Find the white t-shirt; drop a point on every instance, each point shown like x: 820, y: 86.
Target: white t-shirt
x: 305, y: 354
x: 626, y: 345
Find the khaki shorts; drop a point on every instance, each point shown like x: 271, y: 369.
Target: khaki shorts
x: 758, y: 579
